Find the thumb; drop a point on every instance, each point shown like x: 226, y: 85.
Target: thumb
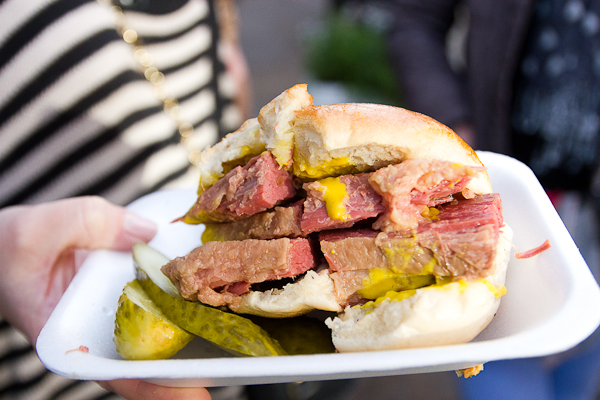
x: 94, y: 223
x: 37, y: 245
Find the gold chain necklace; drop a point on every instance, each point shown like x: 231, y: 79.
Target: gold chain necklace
x: 153, y: 75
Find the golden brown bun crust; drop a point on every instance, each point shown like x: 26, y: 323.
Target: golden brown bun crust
x: 276, y: 119
x: 336, y: 139
x: 373, y: 135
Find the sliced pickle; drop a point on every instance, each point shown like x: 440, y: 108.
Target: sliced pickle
x: 299, y: 335
x: 142, y: 331
x: 148, y: 262
x: 235, y: 334
x: 229, y: 331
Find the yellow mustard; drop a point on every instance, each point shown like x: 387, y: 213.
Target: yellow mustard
x: 334, y: 195
x: 210, y: 235
x: 383, y: 280
x: 399, y: 257
x: 497, y: 291
x: 442, y: 284
x: 191, y: 219
x: 335, y: 166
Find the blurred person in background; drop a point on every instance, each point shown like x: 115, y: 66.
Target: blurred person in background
x: 110, y: 98
x: 529, y: 87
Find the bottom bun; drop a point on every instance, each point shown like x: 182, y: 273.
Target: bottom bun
x: 313, y: 291
x: 435, y: 315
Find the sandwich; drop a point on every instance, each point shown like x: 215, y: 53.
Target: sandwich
x: 381, y: 217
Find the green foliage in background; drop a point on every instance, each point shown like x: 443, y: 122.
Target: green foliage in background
x: 355, y: 54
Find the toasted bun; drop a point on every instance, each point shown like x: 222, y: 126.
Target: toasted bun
x: 329, y: 140
x: 453, y: 314
x: 370, y: 136
x: 313, y: 291
x: 277, y: 121
x: 271, y: 130
x: 234, y: 149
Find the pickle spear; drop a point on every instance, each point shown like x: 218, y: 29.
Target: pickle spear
x: 142, y: 332
x: 148, y: 262
x: 233, y: 333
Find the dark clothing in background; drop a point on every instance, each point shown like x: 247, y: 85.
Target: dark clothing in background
x: 530, y: 87
x: 556, y: 117
x: 484, y: 96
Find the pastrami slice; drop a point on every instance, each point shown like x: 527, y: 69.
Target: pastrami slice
x: 272, y: 224
x: 462, y: 253
x: 479, y: 205
x: 350, y: 250
x: 461, y: 244
x: 364, y: 250
x: 244, y: 191
x: 359, y: 201
x: 206, y: 273
x: 409, y: 188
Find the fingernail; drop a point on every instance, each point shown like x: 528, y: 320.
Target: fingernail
x: 137, y: 228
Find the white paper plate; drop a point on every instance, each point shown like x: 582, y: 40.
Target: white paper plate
x: 553, y: 303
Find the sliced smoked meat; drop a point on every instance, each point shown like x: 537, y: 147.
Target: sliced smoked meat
x: 411, y: 187
x: 461, y: 244
x: 243, y: 192
x: 360, y: 202
x: 208, y: 271
x: 273, y: 224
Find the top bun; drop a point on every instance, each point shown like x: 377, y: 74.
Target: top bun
x: 277, y: 121
x: 317, y: 141
x: 371, y: 136
x: 234, y: 149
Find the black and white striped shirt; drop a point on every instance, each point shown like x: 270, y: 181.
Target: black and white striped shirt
x: 78, y: 117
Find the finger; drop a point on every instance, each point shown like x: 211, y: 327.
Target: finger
x: 38, y: 244
x: 134, y: 389
x: 90, y: 223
